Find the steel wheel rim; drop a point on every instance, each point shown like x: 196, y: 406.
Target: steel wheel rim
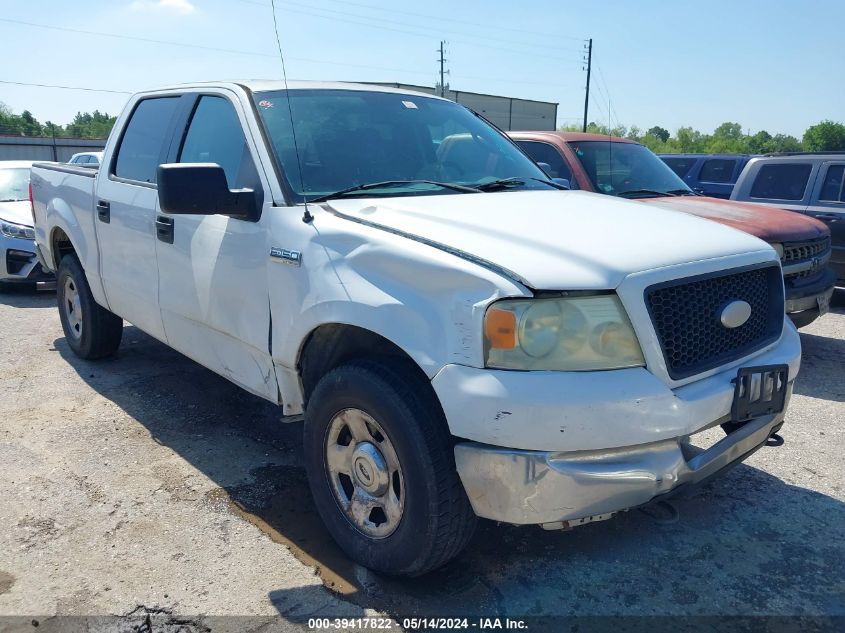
x: 365, y: 473
x: 72, y: 306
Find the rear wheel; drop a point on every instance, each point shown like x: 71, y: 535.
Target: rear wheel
x: 91, y: 331
x: 381, y: 468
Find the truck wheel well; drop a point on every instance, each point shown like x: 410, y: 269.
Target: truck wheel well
x: 60, y: 246
x: 331, y: 345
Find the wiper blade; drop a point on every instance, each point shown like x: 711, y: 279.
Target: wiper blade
x: 683, y: 192
x: 501, y: 183
x: 13, y: 200
x: 394, y: 183
x: 644, y: 192
x: 508, y: 183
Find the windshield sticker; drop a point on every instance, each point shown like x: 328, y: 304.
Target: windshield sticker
x: 265, y: 104
x: 410, y: 104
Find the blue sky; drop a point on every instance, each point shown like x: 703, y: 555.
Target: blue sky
x: 774, y: 65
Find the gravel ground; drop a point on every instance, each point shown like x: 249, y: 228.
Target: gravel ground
x: 147, y: 485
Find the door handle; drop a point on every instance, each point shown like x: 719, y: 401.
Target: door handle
x: 164, y: 229
x: 104, y: 211
x: 826, y: 217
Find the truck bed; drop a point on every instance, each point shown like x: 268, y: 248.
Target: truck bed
x: 63, y: 198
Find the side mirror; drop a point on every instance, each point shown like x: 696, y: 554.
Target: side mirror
x: 563, y: 182
x: 547, y: 169
x: 201, y: 189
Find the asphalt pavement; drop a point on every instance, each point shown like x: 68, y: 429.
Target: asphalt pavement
x: 145, y: 485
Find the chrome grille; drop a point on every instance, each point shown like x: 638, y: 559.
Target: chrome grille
x: 686, y: 316
x: 794, y: 252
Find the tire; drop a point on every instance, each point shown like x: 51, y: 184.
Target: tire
x: 435, y: 519
x: 91, y: 331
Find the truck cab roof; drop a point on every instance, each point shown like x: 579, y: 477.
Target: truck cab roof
x: 270, y: 85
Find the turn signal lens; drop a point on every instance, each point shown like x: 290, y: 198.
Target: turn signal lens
x: 500, y: 328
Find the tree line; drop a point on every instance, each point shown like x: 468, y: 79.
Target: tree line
x: 728, y: 138
x: 84, y: 125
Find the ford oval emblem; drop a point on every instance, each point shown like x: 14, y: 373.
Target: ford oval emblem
x: 735, y: 313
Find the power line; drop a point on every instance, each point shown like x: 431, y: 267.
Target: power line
x: 439, y: 27
x: 146, y: 40
x: 427, y: 35
x: 437, y: 18
x: 610, y: 105
x: 24, y: 83
x: 210, y: 48
x: 243, y: 52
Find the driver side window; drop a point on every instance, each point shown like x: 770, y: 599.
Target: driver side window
x: 215, y: 136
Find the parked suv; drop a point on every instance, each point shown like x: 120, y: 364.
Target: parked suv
x: 713, y: 175
x: 812, y: 184
x: 623, y: 168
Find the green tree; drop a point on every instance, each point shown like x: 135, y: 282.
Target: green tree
x: 726, y: 139
x: 90, y: 125
x: 825, y: 136
x: 659, y: 133
x: 689, y: 141
x: 760, y: 143
x: 785, y: 143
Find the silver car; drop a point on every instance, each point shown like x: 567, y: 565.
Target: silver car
x: 18, y: 259
x: 86, y: 159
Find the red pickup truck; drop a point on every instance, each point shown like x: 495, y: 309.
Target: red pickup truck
x: 622, y: 167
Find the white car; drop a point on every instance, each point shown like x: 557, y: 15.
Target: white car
x: 18, y: 261
x: 461, y: 336
x: 86, y: 159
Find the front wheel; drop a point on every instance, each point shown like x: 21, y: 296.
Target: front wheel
x: 381, y: 468
x: 91, y: 331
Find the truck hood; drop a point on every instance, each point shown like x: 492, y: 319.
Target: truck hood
x: 18, y: 212
x: 765, y: 222
x: 552, y: 239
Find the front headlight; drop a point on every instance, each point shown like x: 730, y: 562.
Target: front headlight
x: 10, y: 229
x: 561, y: 334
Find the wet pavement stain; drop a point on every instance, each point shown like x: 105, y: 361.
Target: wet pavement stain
x: 608, y: 567
x: 278, y: 502
x: 6, y: 582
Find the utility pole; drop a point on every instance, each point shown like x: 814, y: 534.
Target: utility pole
x: 589, y: 68
x: 55, y: 151
x: 443, y: 71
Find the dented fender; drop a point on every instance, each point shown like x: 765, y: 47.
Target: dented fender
x: 428, y: 302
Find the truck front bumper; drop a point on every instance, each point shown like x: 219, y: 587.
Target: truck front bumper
x: 549, y: 447
x: 806, y: 302
x: 559, y: 490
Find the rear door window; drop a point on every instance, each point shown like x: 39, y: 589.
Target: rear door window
x: 717, y: 170
x: 546, y: 153
x: 679, y: 165
x: 781, y: 181
x: 833, y: 187
x: 143, y: 140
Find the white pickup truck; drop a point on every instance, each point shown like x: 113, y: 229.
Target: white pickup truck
x: 461, y: 337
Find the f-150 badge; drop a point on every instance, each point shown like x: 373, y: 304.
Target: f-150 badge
x: 283, y: 255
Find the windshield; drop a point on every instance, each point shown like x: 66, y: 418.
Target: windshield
x: 14, y: 184
x: 627, y: 169
x: 348, y: 138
